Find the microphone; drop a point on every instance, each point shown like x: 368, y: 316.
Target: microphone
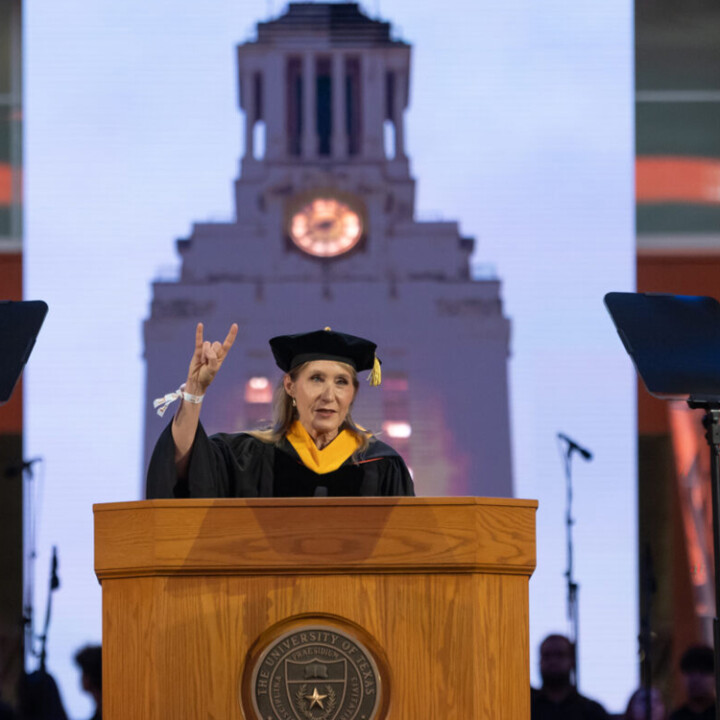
x: 321, y: 491
x: 572, y: 445
x: 15, y: 470
x: 54, y: 578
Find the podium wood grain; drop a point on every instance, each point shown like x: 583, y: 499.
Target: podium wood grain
x: 440, y: 583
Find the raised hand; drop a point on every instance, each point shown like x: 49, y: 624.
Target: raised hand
x: 207, y: 359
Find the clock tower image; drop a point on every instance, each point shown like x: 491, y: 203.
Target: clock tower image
x: 325, y: 235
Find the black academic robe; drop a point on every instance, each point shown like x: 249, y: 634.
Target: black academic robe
x: 239, y: 465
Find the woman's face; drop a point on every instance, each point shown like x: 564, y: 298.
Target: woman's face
x: 323, y: 393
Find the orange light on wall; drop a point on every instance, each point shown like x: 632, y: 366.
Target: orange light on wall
x: 395, y: 383
x: 258, y: 390
x: 677, y: 180
x: 397, y: 430
x: 6, y: 182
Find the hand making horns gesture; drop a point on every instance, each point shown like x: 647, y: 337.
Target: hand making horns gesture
x: 207, y: 359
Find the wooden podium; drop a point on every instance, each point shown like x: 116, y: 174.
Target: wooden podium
x: 435, y: 590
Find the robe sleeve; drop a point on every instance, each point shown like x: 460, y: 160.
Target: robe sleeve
x: 395, y: 478
x: 219, y: 466
x: 387, y: 473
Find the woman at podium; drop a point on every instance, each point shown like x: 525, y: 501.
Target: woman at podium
x: 313, y: 448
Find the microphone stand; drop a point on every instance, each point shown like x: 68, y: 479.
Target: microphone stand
x: 648, y: 588
x: 572, y: 586
x: 54, y: 585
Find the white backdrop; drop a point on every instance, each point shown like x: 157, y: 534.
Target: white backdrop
x: 520, y: 126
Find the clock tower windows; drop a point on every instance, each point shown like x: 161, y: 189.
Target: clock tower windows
x: 352, y: 105
x: 332, y: 83
x: 294, y: 91
x: 253, y: 90
x: 323, y: 108
x: 323, y: 101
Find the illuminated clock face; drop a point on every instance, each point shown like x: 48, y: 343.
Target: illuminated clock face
x: 325, y: 227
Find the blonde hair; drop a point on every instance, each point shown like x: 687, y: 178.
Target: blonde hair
x: 285, y: 414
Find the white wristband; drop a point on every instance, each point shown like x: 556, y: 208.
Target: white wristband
x: 162, y: 404
x: 194, y: 399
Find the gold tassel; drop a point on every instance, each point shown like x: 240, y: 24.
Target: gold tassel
x: 375, y: 376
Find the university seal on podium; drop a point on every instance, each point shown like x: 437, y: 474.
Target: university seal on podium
x: 319, y: 670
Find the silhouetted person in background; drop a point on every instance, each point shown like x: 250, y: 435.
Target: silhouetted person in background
x: 9, y: 647
x: 89, y: 660
x: 636, y: 707
x: 39, y: 698
x: 6, y: 712
x: 697, y: 666
x: 558, y: 699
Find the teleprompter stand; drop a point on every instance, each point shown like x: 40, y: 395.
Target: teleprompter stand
x: 19, y: 325
x: 674, y: 342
